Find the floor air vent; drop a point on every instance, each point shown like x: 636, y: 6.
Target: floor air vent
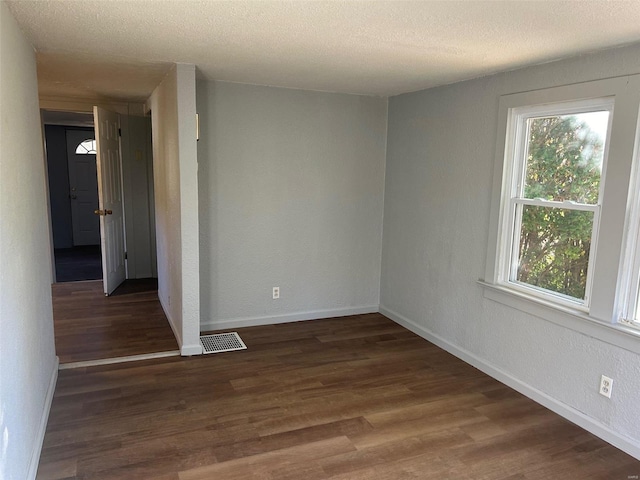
x: 222, y: 342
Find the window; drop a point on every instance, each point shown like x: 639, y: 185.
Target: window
x: 629, y: 298
x: 564, y: 241
x: 558, y: 155
x: 87, y: 147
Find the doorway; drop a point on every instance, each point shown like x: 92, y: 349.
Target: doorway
x: 73, y: 190
x: 88, y: 326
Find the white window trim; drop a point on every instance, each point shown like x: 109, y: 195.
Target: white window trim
x: 601, y: 318
x: 628, y: 301
x: 512, y: 194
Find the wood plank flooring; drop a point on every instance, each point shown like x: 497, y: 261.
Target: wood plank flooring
x: 344, y: 399
x: 90, y: 326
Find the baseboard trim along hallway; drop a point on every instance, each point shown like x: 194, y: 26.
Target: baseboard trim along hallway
x: 109, y: 361
x: 44, y: 419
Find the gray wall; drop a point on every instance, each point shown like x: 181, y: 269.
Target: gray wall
x: 28, y: 365
x: 58, y: 170
x: 137, y: 173
x: 441, y: 152
x: 291, y: 194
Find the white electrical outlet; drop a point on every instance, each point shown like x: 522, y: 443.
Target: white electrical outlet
x: 276, y: 293
x: 606, y: 384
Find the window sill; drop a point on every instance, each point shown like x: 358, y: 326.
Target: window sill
x: 615, y: 334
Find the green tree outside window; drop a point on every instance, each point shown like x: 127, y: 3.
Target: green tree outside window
x: 564, y: 163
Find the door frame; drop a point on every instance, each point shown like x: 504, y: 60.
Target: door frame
x: 85, y: 107
x: 67, y: 123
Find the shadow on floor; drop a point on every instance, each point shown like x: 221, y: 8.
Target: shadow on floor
x: 138, y: 285
x: 78, y: 263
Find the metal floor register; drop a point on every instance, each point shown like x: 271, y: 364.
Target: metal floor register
x: 222, y: 342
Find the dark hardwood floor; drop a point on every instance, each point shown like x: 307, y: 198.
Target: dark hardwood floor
x: 90, y: 326
x: 344, y: 399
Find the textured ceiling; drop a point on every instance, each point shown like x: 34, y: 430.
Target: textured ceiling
x: 123, y: 48
x: 84, y: 75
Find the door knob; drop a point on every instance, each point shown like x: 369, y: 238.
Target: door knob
x: 73, y: 197
x: 103, y: 212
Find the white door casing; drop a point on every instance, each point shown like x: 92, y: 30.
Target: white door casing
x: 111, y: 211
x: 83, y: 190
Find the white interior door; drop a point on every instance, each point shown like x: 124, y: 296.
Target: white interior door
x: 83, y: 188
x: 110, y: 210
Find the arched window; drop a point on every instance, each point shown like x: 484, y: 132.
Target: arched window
x: 88, y: 147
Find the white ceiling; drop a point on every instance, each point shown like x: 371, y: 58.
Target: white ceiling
x: 122, y: 49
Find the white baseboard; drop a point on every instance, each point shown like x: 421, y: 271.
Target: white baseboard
x: 599, y: 429
x: 167, y: 313
x: 190, y: 350
x: 291, y: 317
x: 42, y: 427
x: 185, y: 350
x: 170, y: 318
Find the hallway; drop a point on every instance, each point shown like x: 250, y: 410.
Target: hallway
x: 89, y: 326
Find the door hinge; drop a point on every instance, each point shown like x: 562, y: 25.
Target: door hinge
x: 125, y: 255
x: 119, y: 132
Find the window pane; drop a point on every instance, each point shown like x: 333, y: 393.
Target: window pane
x: 554, y: 249
x: 87, y: 147
x: 564, y: 157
